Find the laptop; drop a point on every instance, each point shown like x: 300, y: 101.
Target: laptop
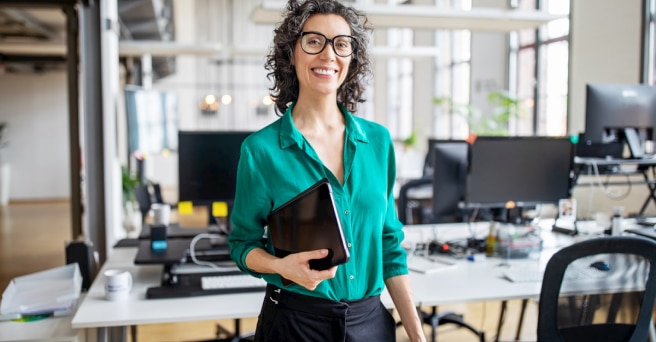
x: 307, y: 222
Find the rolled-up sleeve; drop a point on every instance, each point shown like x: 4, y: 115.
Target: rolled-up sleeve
x: 250, y: 209
x: 394, y: 256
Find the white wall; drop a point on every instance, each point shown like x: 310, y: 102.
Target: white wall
x: 35, y: 106
x: 489, y: 66
x: 605, y: 46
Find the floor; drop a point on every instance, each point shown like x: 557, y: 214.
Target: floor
x: 33, y: 237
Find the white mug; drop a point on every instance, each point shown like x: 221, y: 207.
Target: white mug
x: 118, y: 284
x: 161, y: 213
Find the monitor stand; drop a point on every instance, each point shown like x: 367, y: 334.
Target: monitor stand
x: 635, y: 143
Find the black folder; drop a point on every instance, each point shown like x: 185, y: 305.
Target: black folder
x: 307, y: 222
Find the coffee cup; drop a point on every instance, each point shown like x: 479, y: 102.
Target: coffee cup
x: 161, y: 213
x: 118, y: 284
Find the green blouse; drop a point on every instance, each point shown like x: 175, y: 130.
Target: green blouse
x: 277, y: 163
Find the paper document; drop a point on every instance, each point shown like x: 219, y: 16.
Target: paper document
x: 429, y: 265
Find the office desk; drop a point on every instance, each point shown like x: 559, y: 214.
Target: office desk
x: 646, y: 167
x: 111, y: 318
x: 470, y: 282
x: 480, y: 281
x: 55, y: 329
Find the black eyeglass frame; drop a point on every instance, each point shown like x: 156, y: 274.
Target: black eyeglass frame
x: 328, y: 40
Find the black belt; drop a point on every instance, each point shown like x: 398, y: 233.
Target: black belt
x: 320, y: 306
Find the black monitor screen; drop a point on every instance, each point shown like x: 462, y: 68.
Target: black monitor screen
x: 449, y: 178
x: 207, y: 165
x: 620, y: 112
x: 525, y: 170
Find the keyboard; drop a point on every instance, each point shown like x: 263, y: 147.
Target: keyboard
x: 530, y: 274
x: 190, y: 285
x: 231, y: 281
x: 523, y: 275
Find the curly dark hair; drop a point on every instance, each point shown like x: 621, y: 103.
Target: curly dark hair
x: 281, y: 71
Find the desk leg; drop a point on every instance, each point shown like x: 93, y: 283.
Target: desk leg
x: 502, y: 317
x: 521, y: 319
x: 652, y: 189
x: 112, y: 334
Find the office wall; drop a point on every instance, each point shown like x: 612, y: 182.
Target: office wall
x: 605, y: 46
x: 489, y: 66
x: 35, y: 106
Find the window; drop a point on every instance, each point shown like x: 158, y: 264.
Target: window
x: 453, y: 81
x: 541, y: 61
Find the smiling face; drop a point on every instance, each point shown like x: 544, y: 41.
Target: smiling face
x: 323, y: 73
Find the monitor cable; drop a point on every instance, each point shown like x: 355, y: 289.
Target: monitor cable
x: 615, y: 195
x: 192, y: 253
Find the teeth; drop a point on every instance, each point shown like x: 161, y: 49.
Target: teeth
x: 324, y: 71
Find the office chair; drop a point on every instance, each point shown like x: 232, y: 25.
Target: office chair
x: 403, y: 197
x: 144, y: 199
x: 602, y: 289
x: 224, y: 335
x: 436, y: 319
x: 157, y: 196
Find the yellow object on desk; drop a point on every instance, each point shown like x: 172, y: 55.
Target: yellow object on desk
x: 185, y: 208
x: 219, y: 209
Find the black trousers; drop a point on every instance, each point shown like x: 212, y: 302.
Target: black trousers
x: 288, y: 316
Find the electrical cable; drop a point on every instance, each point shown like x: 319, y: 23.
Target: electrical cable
x: 192, y: 252
x: 608, y: 192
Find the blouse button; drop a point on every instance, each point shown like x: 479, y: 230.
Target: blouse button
x: 351, y: 277
x: 346, y: 212
x: 349, y: 245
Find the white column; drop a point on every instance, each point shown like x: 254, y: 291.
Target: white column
x: 110, y: 91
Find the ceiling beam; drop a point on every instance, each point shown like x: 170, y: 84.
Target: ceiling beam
x: 125, y: 48
x: 38, y: 3
x: 31, y: 23
x: 429, y: 17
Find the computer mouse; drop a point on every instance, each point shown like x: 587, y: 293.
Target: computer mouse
x: 600, y: 265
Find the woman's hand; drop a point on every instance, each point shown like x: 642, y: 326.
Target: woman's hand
x: 296, y: 267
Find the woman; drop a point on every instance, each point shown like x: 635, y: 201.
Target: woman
x: 318, y: 65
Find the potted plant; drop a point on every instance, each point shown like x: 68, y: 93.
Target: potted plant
x: 507, y: 108
x: 131, y: 213
x: 4, y: 166
x: 494, y: 123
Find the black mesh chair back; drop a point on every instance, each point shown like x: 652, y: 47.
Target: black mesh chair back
x: 601, y: 289
x: 144, y: 199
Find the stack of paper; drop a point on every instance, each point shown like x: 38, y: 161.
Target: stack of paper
x: 428, y: 265
x: 53, y: 291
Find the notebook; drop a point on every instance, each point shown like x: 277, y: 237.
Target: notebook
x: 309, y: 221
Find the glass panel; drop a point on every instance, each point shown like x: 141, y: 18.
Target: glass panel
x: 400, y: 86
x: 525, y: 92
x: 552, y: 117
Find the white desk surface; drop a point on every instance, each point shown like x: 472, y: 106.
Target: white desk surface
x: 96, y: 311
x: 51, y: 329
x: 55, y: 329
x: 473, y: 282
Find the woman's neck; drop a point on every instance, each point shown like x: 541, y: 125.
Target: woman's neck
x: 318, y: 113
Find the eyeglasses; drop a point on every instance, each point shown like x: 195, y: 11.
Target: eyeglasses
x: 313, y: 43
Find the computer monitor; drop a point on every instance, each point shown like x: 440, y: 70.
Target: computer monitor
x: 207, y: 165
x: 449, y: 159
x: 429, y: 163
x: 524, y: 171
x: 620, y: 113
